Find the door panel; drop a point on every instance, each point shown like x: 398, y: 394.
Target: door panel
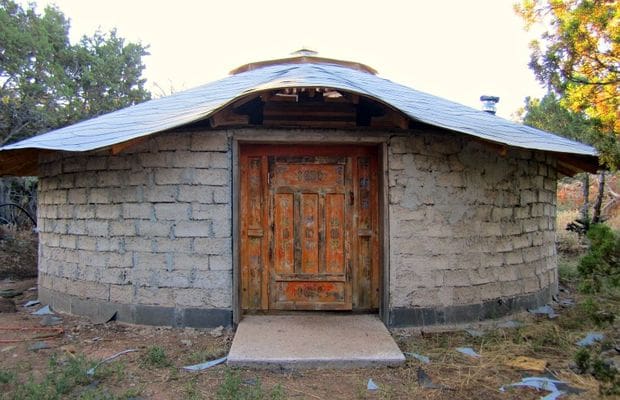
x: 334, y: 234
x: 309, y: 228
x: 284, y: 262
x: 313, y: 182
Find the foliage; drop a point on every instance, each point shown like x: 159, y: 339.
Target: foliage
x: 578, y: 55
x: 46, y: 82
x: 600, y: 267
x: 156, y: 357
x: 234, y: 389
x: 6, y: 377
x: 22, y: 192
x: 592, y: 361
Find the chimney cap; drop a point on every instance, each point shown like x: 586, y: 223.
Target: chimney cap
x: 493, y: 99
x: 488, y: 103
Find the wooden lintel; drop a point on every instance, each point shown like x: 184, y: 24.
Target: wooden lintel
x: 227, y: 117
x: 120, y: 147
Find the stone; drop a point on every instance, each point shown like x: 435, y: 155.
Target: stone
x: 217, y: 332
x: 36, y: 346
x: 50, y: 320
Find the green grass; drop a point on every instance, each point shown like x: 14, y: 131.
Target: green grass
x: 64, y: 379
x: 156, y: 357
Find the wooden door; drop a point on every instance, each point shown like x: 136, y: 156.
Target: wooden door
x: 311, y: 221
x: 309, y: 228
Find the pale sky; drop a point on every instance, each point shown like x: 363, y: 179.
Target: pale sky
x: 455, y: 49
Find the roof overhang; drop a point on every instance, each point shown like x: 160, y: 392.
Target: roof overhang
x: 117, y: 130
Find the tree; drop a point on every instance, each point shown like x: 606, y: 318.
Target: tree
x: 549, y: 114
x: 578, y: 58
x: 47, y: 82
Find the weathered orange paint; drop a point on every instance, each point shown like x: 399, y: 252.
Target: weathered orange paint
x: 309, y: 227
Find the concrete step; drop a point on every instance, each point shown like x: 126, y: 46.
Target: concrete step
x: 310, y: 340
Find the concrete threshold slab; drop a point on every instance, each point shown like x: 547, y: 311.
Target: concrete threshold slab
x: 311, y: 340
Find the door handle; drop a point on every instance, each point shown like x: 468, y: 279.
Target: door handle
x: 351, y: 198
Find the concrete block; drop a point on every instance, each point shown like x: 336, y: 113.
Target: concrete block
x: 96, y: 163
x: 154, y: 296
x: 213, y: 246
x: 196, y: 194
x: 192, y: 229
x: 206, y: 318
x: 96, y: 227
x: 221, y: 195
x: 108, y: 211
x: 173, y: 142
x: 172, y: 211
x: 219, y: 160
x: 86, y: 179
x: 121, y: 162
x: 173, y: 176
x: 211, y: 177
x: 122, y: 228
x: 176, y: 245
x: 220, y: 262
x: 153, y: 229
x: 77, y: 196
x: 221, y: 228
x: 109, y: 178
x: 209, y: 141
x: 138, y: 211
x: 160, y: 194
x: 210, y: 211
x: 191, y: 159
x: 84, y: 211
x: 154, y: 315
x: 149, y: 261
x: 191, y: 262
x: 99, y: 195
x: 156, y: 160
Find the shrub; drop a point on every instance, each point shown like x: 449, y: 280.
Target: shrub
x: 600, y: 267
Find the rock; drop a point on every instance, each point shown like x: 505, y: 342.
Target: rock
x: 186, y: 342
x: 7, y: 306
x: 217, y: 332
x: 36, y: 346
x: 50, y: 320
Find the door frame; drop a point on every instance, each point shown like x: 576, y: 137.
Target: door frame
x: 381, y: 145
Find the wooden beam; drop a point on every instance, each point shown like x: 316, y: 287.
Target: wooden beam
x: 22, y: 162
x: 120, y: 147
x: 390, y: 119
x: 227, y: 117
x: 578, y: 163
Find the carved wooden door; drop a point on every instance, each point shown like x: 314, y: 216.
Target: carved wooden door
x: 311, y: 221
x: 308, y: 228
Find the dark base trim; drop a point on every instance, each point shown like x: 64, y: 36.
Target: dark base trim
x: 489, y: 309
x: 98, y: 310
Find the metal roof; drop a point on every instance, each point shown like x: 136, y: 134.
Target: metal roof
x: 201, y: 102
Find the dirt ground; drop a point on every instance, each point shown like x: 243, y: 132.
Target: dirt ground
x: 135, y: 375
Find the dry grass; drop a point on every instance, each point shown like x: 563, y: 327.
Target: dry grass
x: 18, y: 254
x: 568, y: 241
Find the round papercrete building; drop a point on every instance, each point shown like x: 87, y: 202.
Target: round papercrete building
x: 297, y: 184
